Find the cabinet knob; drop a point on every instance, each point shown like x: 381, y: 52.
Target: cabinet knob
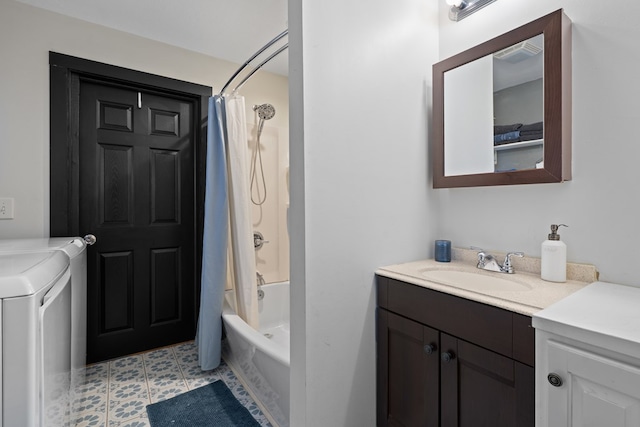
x: 430, y: 348
x: 554, y: 380
x: 447, y: 356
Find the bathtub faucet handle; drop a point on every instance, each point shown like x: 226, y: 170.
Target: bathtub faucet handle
x: 258, y: 240
x: 508, y: 266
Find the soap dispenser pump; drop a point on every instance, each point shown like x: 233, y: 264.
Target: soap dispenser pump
x: 554, y: 257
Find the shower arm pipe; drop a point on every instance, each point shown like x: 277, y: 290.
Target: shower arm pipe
x: 254, y: 56
x: 273, y: 55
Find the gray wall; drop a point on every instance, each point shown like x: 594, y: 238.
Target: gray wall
x: 360, y: 100
x: 523, y: 103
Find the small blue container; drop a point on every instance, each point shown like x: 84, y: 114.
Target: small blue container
x: 443, y: 250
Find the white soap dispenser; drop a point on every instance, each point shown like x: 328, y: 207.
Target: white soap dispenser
x: 554, y: 257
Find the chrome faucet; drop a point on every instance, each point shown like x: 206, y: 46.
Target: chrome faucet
x: 489, y: 262
x: 261, y: 282
x: 260, y: 279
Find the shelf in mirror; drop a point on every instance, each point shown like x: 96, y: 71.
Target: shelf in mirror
x: 520, y: 144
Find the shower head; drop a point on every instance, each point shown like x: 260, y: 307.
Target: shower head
x: 265, y: 111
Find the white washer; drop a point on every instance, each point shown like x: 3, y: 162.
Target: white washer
x: 75, y: 248
x: 35, y: 307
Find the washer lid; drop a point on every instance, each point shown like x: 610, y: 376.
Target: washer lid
x: 71, y: 245
x: 26, y: 273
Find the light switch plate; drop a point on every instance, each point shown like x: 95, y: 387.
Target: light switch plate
x: 6, y: 208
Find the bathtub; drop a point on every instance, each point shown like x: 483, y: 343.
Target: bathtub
x: 261, y: 358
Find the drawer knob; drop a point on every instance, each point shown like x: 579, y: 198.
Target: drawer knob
x: 554, y: 380
x: 447, y: 356
x: 430, y: 348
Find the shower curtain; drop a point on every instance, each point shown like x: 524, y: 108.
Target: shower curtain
x: 215, y: 240
x: 227, y: 210
x: 241, y: 226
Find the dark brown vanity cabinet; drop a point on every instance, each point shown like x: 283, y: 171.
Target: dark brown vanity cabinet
x: 448, y: 361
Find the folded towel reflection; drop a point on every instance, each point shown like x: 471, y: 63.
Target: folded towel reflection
x: 532, y: 127
x: 505, y: 138
x: 504, y: 134
x: 500, y: 129
x: 530, y: 136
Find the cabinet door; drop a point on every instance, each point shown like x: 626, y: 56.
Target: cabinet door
x: 408, y: 377
x: 595, y: 390
x: 482, y: 388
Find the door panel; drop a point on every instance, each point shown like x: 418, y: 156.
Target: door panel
x: 165, y: 186
x: 410, y: 373
x: 165, y: 286
x: 116, y: 291
x: 483, y: 388
x: 137, y: 196
x: 117, y: 185
x: 596, y: 390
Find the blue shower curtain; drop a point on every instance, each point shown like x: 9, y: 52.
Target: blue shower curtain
x: 215, y: 239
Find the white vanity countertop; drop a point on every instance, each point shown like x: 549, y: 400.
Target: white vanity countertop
x: 539, y: 295
x: 599, y: 314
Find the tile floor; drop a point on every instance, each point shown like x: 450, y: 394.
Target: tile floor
x: 116, y: 392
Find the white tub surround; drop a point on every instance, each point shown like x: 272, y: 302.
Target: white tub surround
x: 530, y: 294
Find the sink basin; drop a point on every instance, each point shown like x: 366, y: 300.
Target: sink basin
x: 475, y: 282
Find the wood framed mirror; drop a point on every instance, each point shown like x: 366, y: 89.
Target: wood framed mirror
x: 502, y: 109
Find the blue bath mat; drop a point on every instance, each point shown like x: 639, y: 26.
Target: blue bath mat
x: 211, y: 405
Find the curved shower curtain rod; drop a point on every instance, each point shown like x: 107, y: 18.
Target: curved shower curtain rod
x: 254, y: 56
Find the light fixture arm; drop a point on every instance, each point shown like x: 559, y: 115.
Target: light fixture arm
x: 460, y: 9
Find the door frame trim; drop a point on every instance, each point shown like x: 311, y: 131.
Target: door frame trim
x: 65, y: 73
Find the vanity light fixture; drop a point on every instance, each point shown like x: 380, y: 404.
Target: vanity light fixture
x: 460, y: 9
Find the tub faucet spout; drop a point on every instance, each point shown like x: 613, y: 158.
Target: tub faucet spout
x: 261, y: 282
x: 260, y: 278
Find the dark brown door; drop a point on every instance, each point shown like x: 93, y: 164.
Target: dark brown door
x: 136, y: 179
x: 482, y: 388
x: 408, y: 372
